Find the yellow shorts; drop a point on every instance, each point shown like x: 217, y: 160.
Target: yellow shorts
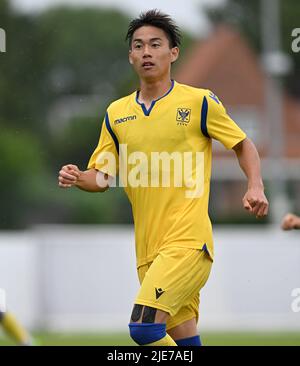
x: 172, y: 283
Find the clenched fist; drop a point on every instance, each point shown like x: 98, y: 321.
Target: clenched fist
x: 256, y: 202
x: 68, y: 176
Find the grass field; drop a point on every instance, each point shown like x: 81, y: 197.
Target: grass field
x: 208, y: 339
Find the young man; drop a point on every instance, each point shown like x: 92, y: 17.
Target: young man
x: 173, y: 234
x: 290, y: 222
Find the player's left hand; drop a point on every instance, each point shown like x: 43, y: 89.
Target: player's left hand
x: 256, y: 202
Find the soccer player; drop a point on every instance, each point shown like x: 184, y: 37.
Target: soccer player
x: 290, y: 222
x: 173, y: 234
x: 14, y: 329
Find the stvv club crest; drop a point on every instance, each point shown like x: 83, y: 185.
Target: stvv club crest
x: 183, y: 116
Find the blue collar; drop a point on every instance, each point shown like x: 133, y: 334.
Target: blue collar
x: 148, y: 111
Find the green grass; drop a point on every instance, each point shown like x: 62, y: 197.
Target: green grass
x: 208, y: 338
x: 251, y: 339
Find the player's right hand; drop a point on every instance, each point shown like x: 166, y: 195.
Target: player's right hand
x: 68, y: 176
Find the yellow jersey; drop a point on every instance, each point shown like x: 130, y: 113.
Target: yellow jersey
x: 176, y: 130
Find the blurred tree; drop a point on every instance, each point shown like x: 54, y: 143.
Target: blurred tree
x: 86, y: 50
x: 21, y: 75
x: 60, y: 53
x: 86, y: 64
x: 245, y: 15
x: 22, y: 167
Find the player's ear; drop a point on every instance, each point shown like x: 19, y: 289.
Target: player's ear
x: 174, y: 54
x: 130, y: 58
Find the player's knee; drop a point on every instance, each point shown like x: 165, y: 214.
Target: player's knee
x: 145, y: 333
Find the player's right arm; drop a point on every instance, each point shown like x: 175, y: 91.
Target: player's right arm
x: 90, y: 180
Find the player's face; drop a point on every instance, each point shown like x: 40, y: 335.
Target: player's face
x: 150, y: 53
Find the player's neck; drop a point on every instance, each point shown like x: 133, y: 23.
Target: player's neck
x: 152, y: 90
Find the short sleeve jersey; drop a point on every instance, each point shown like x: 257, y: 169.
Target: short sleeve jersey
x: 171, y: 139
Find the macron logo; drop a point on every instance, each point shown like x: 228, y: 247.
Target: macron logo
x: 158, y: 292
x: 125, y: 119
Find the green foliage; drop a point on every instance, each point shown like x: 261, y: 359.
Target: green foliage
x: 75, y: 142
x: 110, y: 207
x: 53, y: 55
x: 21, y: 74
x: 22, y: 168
x: 86, y: 49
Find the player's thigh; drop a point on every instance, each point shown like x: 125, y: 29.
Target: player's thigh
x: 146, y: 314
x: 174, y: 278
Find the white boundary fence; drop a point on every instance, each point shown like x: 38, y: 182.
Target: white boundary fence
x: 83, y: 278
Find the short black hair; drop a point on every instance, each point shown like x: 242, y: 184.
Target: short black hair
x: 155, y: 18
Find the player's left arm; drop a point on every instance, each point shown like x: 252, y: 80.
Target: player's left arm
x: 217, y: 124
x: 254, y: 200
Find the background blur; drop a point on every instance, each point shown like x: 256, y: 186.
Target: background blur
x: 67, y: 257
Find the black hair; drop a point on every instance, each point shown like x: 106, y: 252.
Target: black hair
x: 157, y: 19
